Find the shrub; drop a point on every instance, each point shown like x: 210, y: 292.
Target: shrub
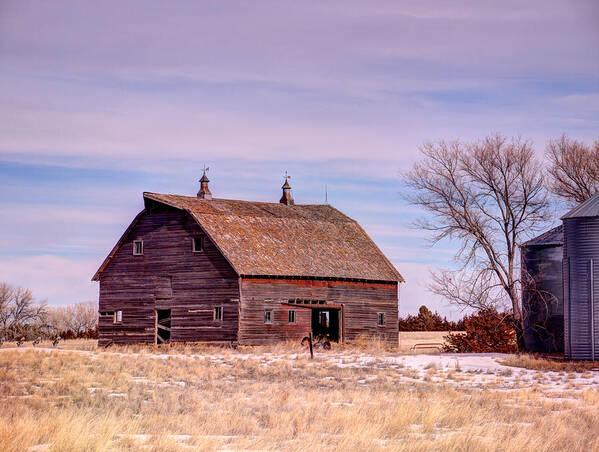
x: 85, y: 334
x: 486, y: 331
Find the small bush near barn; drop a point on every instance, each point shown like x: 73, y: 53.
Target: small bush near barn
x: 487, y: 331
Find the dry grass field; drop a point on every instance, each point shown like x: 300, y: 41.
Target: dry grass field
x: 362, y: 398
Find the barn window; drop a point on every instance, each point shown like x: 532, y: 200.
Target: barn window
x: 138, y: 247
x: 267, y: 316
x: 218, y: 313
x: 291, y: 316
x: 198, y: 244
x: 118, y: 316
x: 381, y: 318
x: 107, y: 314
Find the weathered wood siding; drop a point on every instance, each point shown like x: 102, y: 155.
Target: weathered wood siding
x: 361, y: 303
x: 169, y: 275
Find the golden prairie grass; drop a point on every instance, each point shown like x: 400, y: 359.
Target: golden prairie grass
x: 368, y: 344
x: 535, y: 362
x: 269, y: 398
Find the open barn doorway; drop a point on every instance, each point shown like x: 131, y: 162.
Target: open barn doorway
x: 325, y: 322
x: 163, y: 326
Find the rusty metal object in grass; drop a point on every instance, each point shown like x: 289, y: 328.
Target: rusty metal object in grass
x: 37, y: 341
x: 307, y: 341
x: 20, y: 342
x: 319, y: 341
x: 56, y: 341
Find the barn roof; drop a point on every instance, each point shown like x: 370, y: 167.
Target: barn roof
x: 589, y: 208
x: 553, y: 237
x: 274, y: 239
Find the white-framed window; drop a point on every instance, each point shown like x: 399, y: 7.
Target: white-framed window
x: 118, y: 316
x: 380, y: 318
x: 197, y: 244
x: 138, y: 247
x: 291, y: 316
x: 218, y: 313
x: 267, y: 316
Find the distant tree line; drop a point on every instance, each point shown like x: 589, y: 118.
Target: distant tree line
x: 79, y: 320
x: 22, y: 316
x: 426, y: 320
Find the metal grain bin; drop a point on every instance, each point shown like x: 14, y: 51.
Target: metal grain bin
x: 542, y: 292
x: 581, y: 281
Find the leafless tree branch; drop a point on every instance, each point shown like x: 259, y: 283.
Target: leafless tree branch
x: 573, y: 169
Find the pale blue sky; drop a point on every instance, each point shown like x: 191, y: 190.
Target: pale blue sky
x: 103, y: 100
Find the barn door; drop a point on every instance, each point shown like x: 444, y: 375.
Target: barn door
x: 163, y: 326
x: 326, y: 322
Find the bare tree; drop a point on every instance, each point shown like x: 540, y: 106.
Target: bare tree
x: 24, y: 310
x: 573, y: 169
x: 6, y: 293
x: 79, y: 317
x: 82, y: 316
x: 488, y: 196
x: 85, y: 316
x: 19, y: 311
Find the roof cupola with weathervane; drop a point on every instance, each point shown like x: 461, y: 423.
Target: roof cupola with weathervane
x: 204, y: 190
x: 287, y: 197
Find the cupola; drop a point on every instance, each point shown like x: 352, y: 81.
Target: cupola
x: 287, y: 198
x: 204, y: 190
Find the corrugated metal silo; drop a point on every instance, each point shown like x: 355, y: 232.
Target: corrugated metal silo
x: 581, y: 281
x: 542, y: 292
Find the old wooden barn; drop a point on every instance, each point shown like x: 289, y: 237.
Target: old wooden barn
x: 197, y: 268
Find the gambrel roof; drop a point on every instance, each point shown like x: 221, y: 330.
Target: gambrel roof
x: 275, y: 239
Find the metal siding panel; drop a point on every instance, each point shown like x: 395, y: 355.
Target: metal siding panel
x: 581, y: 245
x: 567, y: 314
x: 580, y: 324
x: 595, y: 311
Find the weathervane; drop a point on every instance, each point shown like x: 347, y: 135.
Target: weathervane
x: 287, y: 176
